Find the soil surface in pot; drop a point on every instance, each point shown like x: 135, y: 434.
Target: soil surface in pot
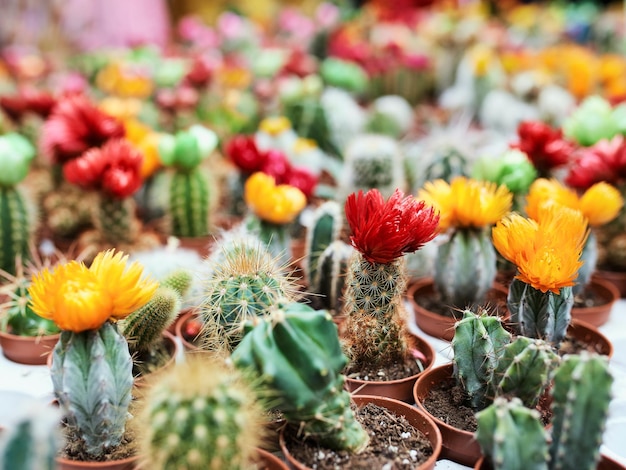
x: 395, y: 371
x: 575, y: 346
x: 493, y: 303
x: 75, y: 447
x: 589, y: 298
x: 146, y: 362
x: 392, y: 440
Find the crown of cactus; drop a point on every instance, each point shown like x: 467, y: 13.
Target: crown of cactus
x: 16, y: 154
x: 180, y: 280
x: 201, y: 415
x: 325, y: 227
x: 382, y: 232
x: 295, y: 351
x: 465, y: 267
x: 331, y: 273
x: 189, y: 192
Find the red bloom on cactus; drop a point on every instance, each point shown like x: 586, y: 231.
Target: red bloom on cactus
x: 302, y: 179
x: 277, y: 165
x: 604, y: 161
x: 114, y: 168
x: 546, y: 148
x: 76, y: 125
x: 384, y: 231
x: 244, y: 153
x: 27, y: 100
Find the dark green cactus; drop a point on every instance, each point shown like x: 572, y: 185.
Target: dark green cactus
x: 201, y: 415
x: 325, y: 227
x: 15, y: 230
x: 465, y: 268
x: 92, y: 379
x: 189, y: 203
x: 581, y: 393
x: 296, y: 352
x: 115, y: 219
x: 180, y: 280
x: 330, y: 277
x: 308, y: 118
x: 512, y: 437
x: 542, y: 315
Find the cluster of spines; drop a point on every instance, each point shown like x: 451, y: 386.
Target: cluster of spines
x: 14, y: 228
x: 189, y: 203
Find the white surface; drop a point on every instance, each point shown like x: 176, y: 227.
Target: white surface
x: 17, y: 380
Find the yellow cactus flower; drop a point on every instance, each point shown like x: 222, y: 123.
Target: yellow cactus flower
x: 120, y: 80
x: 78, y: 298
x: 277, y: 204
x: 121, y: 108
x: 466, y: 203
x: 546, y: 251
x: 275, y: 125
x: 144, y: 139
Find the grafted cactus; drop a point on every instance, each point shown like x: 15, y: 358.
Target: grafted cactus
x: 296, y: 352
x: 325, y: 227
x: 331, y: 273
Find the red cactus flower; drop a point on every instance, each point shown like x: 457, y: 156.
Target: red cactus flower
x: 302, y: 179
x: 114, y: 168
x: 277, y: 165
x: 244, y: 153
x: 74, y: 126
x: 604, y: 161
x: 384, y: 231
x: 200, y: 73
x: 27, y: 100
x: 546, y: 148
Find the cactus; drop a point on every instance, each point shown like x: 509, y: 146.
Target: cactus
x: 331, y: 273
x: 115, y: 219
x: 14, y: 227
x: 92, y: 379
x: 465, y: 267
x: 512, y: 436
x: 189, y: 204
x: 180, y: 280
x: 589, y: 257
x: 19, y: 318
x: 201, y: 415
x: 296, y: 352
x: 580, y: 399
x: 325, y: 226
x: 540, y: 315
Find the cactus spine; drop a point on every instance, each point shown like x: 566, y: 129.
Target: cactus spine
x: 180, y: 280
x: 330, y: 277
x: 14, y: 228
x: 296, y: 352
x: 201, y: 415
x: 465, y: 267
x: 325, y: 227
x: 189, y: 203
x: 92, y: 379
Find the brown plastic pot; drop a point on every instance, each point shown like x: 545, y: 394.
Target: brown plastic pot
x: 440, y: 326
x: 267, y: 461
x: 589, y: 334
x: 598, y: 315
x: 400, y: 389
x: 617, y: 278
x: 457, y: 445
x: 31, y: 350
x: 129, y: 463
x: 415, y: 416
x: 605, y: 463
x: 181, y: 322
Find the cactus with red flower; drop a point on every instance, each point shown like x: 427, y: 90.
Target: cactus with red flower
x: 545, y: 147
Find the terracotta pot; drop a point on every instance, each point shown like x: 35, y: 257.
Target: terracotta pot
x: 201, y: 245
x: 180, y: 326
x: 617, y: 278
x: 598, y: 315
x: 605, y: 463
x: 457, y: 445
x: 416, y: 417
x: 268, y: 461
x: 440, y: 326
x: 589, y: 334
x: 400, y: 389
x: 129, y: 463
x: 31, y: 350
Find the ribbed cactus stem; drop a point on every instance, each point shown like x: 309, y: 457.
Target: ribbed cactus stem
x: 524, y: 369
x: 581, y: 393
x: 296, y: 352
x: 512, y: 436
x: 465, y: 268
x: 144, y: 327
x: 14, y: 228
x: 180, y: 280
x: 589, y: 257
x: 542, y: 315
x: 478, y: 343
x: 189, y: 203
x: 331, y: 273
x: 92, y: 378
x: 115, y: 219
x: 374, y: 330
x: 201, y: 415
x: 324, y: 228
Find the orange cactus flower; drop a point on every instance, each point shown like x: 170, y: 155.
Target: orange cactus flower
x: 277, y: 204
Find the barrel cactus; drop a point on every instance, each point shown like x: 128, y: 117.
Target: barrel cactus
x: 325, y: 227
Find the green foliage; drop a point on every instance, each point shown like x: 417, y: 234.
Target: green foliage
x: 15, y: 230
x: 19, y: 318
x: 189, y: 203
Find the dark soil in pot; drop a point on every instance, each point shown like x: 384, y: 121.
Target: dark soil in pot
x: 394, y: 371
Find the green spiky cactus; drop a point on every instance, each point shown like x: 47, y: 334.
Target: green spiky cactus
x: 512, y: 436
x: 296, y: 352
x: 14, y: 228
x: 92, y: 379
x: 478, y: 344
x: 540, y: 315
x: 201, y: 415
x: 19, y: 318
x: 330, y: 277
x: 581, y: 394
x: 189, y: 204
x: 115, y: 219
x: 324, y: 228
x: 465, y: 268
x: 180, y: 280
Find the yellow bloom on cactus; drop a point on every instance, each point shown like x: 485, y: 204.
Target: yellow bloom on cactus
x: 144, y: 139
x: 275, y: 125
x: 78, y: 298
x: 121, y: 108
x: 599, y: 204
x: 303, y: 145
x: 234, y: 77
x: 467, y: 202
x: 119, y: 80
x: 482, y: 57
x: 546, y: 251
x: 277, y: 204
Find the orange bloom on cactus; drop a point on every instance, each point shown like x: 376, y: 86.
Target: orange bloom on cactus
x: 466, y: 202
x: 277, y: 204
x: 78, y: 298
x: 546, y: 251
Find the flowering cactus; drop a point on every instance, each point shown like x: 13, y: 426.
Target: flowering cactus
x: 545, y: 147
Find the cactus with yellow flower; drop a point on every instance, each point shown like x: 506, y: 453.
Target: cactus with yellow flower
x: 91, y: 364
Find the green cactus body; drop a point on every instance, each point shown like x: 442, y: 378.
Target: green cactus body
x: 189, y: 203
x: 330, y: 277
x: 309, y: 120
x: 589, y: 256
x: 465, y: 268
x: 512, y: 436
x: 524, y: 369
x: 180, y: 280
x: 580, y: 399
x: 542, y: 315
x: 325, y: 227
x: 296, y: 352
x: 144, y: 327
x: 116, y: 221
x: 14, y: 228
x: 201, y: 416
x: 478, y: 344
x: 92, y: 379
